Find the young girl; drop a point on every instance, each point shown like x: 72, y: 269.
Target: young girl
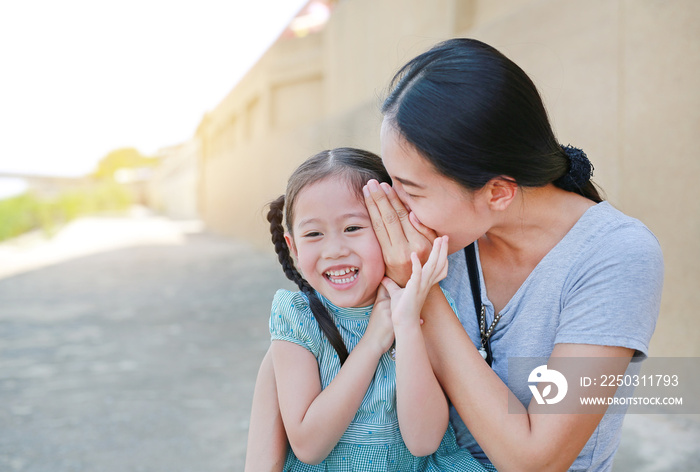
x: 348, y: 399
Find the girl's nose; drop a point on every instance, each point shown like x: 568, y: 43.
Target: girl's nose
x: 334, y: 248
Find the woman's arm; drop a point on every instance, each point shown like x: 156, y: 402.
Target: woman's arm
x: 267, y: 440
x: 316, y: 419
x: 516, y: 439
x: 521, y: 440
x: 421, y: 404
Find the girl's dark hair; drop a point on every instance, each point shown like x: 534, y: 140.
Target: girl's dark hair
x: 475, y: 115
x: 356, y: 166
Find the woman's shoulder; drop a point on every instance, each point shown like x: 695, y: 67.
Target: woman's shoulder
x: 615, y: 272
x: 607, y: 221
x: 608, y: 232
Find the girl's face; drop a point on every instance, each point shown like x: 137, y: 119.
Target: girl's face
x: 439, y: 203
x: 334, y: 243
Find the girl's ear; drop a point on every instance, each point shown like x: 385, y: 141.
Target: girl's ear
x: 501, y: 192
x: 290, y: 244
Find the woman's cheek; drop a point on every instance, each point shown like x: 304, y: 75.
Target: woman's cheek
x: 426, y: 217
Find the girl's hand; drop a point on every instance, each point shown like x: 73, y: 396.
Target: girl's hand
x: 380, y: 328
x: 398, y: 231
x: 407, y: 303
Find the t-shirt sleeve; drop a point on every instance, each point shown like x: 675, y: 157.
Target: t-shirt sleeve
x: 613, y: 299
x: 291, y: 320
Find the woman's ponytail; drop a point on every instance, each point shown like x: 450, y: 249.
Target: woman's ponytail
x: 577, y: 179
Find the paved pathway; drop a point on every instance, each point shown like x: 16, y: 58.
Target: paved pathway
x: 133, y: 344
x: 140, y: 358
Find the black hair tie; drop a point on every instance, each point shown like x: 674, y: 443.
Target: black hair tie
x: 580, y: 169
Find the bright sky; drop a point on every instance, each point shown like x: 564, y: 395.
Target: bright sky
x: 81, y: 78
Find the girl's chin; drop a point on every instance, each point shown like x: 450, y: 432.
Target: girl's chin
x: 353, y: 294
x: 347, y: 300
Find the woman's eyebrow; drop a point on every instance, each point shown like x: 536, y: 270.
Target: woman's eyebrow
x: 409, y: 183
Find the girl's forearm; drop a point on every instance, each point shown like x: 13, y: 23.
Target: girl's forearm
x: 314, y: 432
x: 421, y: 404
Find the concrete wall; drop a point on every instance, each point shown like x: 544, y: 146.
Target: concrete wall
x: 619, y: 79
x: 173, y: 188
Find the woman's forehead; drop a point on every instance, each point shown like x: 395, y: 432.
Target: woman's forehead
x: 403, y: 161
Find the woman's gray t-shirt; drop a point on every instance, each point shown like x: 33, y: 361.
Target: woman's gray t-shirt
x: 601, y: 284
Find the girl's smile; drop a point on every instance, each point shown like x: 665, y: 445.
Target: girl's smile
x: 341, y: 278
x: 334, y: 243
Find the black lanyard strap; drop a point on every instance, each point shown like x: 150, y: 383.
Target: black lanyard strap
x: 473, y: 271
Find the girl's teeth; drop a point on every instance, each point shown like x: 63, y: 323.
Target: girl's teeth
x: 344, y: 280
x: 337, y: 273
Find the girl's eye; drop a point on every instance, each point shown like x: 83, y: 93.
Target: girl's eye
x: 312, y: 234
x: 352, y: 229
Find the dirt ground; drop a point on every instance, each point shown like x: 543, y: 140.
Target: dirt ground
x: 132, y: 344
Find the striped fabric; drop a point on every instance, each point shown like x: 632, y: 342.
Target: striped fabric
x: 373, y: 439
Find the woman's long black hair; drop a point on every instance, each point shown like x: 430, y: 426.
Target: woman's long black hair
x: 357, y: 167
x: 475, y: 115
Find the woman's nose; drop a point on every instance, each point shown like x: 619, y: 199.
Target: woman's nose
x: 402, y: 196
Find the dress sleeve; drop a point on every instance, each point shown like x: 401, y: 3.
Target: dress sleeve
x: 450, y: 300
x: 613, y: 299
x: 291, y: 320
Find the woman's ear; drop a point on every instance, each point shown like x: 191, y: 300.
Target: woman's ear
x: 290, y: 244
x: 501, y: 192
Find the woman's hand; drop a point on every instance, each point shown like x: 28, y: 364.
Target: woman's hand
x: 399, y: 232
x: 380, y: 327
x: 406, y: 303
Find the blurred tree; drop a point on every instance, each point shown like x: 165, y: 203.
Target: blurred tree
x: 124, y: 158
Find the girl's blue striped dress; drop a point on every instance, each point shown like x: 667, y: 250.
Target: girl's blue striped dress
x: 373, y: 439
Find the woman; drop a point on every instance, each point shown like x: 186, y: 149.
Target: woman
x: 559, y: 273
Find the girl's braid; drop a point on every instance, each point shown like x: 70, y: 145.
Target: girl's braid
x: 275, y: 216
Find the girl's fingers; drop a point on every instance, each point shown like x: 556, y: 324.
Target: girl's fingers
x: 443, y: 257
x: 415, y: 261
x: 431, y: 264
x: 416, y: 272
x: 382, y: 293
x: 435, y: 268
x: 390, y: 286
